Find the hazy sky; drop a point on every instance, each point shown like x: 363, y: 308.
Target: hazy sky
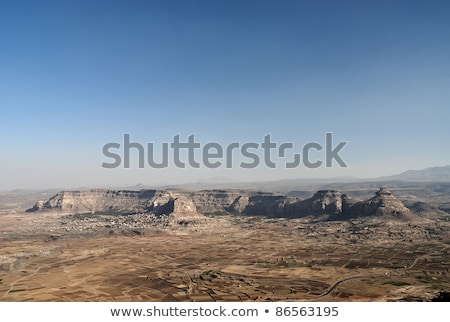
x: 75, y: 75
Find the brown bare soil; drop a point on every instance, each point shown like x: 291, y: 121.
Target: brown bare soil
x: 228, y: 258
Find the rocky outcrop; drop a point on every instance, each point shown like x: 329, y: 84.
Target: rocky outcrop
x: 213, y: 201
x: 97, y: 200
x: 326, y: 203
x: 383, y: 204
x: 267, y: 205
x: 117, y: 201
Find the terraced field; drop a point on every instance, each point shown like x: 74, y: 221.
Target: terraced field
x: 227, y: 259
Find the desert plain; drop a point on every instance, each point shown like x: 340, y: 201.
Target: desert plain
x: 61, y: 252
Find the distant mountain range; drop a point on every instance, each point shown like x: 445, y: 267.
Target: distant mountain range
x: 433, y: 174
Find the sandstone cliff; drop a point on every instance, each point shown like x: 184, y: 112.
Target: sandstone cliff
x: 121, y: 201
x: 326, y: 203
x: 383, y: 204
x: 323, y: 202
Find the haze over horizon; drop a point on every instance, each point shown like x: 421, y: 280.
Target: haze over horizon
x: 75, y: 75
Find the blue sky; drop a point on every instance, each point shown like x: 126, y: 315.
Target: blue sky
x: 75, y: 75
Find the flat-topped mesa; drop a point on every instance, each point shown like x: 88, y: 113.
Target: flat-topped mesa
x: 215, y: 201
x: 266, y: 204
x: 326, y: 201
x: 96, y: 200
x: 157, y: 202
x: 324, y: 204
x: 383, y: 204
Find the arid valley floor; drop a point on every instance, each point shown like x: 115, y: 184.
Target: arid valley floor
x: 97, y: 256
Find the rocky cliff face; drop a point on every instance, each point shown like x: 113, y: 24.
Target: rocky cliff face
x: 323, y: 203
x: 211, y: 201
x: 109, y: 201
x: 383, y: 204
x: 267, y: 205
